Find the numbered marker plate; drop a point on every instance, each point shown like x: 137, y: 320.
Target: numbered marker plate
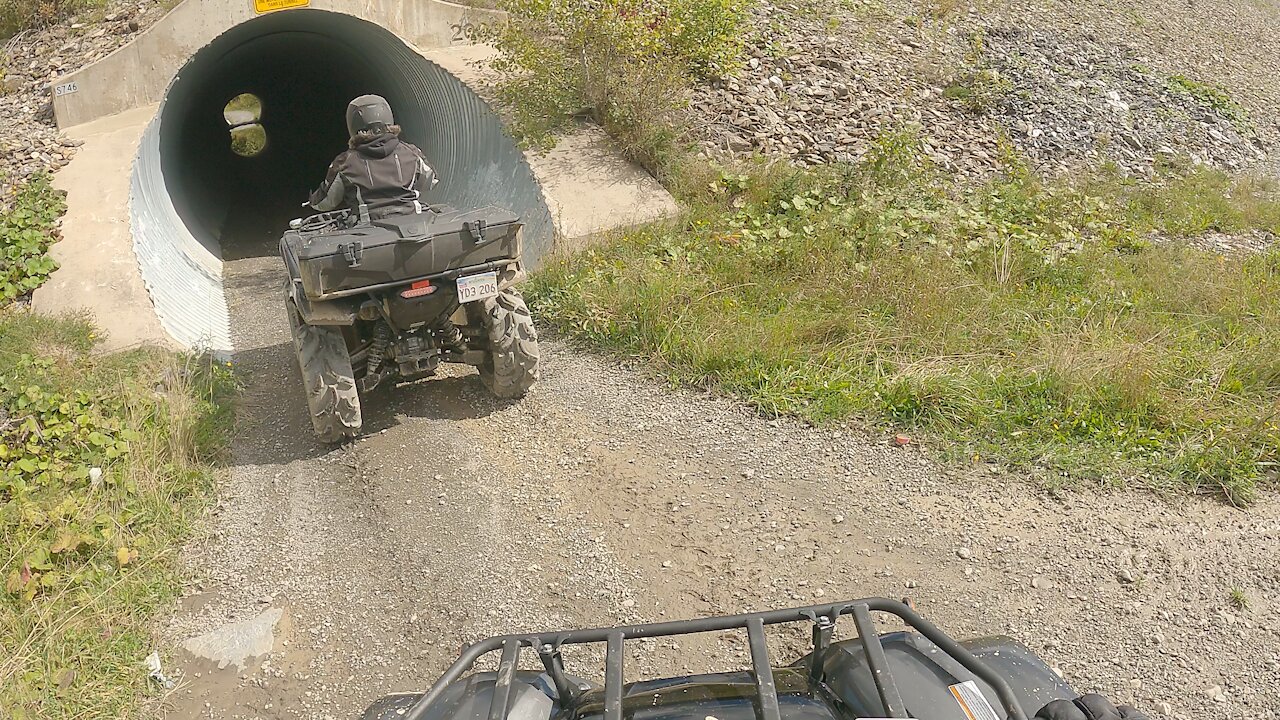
x: 266, y: 6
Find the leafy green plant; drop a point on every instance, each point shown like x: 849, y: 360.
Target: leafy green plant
x: 1213, y: 96
x: 27, y: 229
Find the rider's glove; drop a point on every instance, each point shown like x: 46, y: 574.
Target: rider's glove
x: 1088, y: 707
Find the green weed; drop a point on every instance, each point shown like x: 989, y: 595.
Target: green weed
x: 27, y: 229
x: 1215, y: 97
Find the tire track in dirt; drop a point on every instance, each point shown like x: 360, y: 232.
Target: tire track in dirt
x: 603, y: 498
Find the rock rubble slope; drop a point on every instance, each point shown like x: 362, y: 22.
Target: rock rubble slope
x: 1082, y: 87
x: 31, y: 60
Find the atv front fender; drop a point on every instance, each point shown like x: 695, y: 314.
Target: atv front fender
x: 924, y: 674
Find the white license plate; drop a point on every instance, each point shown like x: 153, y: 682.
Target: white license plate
x: 477, y: 287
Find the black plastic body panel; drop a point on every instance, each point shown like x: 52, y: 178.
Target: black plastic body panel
x: 923, y: 674
x: 532, y: 698
x: 399, y: 248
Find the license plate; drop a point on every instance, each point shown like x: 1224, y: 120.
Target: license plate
x: 477, y: 287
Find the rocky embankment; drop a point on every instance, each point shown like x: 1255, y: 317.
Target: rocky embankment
x: 30, y: 61
x: 820, y: 87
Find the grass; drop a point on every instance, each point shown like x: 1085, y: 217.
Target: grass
x: 249, y: 140
x: 106, y: 462
x: 90, y: 559
x: 244, y: 102
x: 1017, y: 321
x: 1239, y: 600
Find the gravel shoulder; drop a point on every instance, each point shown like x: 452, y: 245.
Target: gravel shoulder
x: 604, y: 497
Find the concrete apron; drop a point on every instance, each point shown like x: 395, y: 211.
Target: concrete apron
x: 588, y: 186
x: 98, y: 272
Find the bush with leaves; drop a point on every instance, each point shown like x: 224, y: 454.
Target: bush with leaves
x: 627, y: 64
x: 28, y: 226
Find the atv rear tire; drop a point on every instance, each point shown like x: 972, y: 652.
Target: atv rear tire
x: 327, y: 378
x: 511, y: 367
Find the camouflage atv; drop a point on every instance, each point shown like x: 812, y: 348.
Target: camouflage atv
x: 376, y: 301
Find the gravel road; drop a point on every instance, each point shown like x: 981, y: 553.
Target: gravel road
x: 605, y: 497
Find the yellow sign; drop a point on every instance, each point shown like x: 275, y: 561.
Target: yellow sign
x: 266, y: 6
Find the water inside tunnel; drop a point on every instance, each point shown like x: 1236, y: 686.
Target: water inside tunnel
x: 197, y: 201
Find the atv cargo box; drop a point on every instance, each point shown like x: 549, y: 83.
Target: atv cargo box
x: 399, y: 249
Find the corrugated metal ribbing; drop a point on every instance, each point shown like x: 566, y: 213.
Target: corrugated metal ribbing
x: 181, y: 175
x: 183, y: 278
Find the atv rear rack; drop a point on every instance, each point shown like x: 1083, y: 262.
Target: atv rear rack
x: 823, y: 618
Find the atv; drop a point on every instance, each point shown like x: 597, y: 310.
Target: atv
x: 918, y: 673
x: 375, y: 301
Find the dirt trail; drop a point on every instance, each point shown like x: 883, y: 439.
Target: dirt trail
x: 604, y: 498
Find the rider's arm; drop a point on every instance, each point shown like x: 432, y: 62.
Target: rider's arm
x: 333, y: 192
x: 330, y: 196
x: 424, y: 178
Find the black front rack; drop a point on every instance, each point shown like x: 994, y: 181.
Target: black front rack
x: 823, y: 618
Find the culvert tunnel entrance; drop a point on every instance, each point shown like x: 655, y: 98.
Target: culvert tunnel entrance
x: 196, y: 200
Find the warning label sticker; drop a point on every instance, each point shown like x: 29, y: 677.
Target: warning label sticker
x: 972, y: 701
x: 266, y: 6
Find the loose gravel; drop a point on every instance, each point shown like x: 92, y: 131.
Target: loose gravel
x: 29, y: 63
x: 1065, y: 85
x: 604, y: 497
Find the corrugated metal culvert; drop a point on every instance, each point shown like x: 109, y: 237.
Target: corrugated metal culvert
x: 196, y: 201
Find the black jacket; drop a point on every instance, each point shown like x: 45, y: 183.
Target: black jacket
x: 384, y: 172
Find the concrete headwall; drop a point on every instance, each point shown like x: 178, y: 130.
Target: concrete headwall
x: 139, y: 73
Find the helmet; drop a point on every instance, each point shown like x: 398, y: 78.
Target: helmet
x: 369, y: 113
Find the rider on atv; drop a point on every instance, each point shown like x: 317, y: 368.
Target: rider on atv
x: 380, y: 170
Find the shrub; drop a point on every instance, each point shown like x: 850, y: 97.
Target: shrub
x: 627, y: 64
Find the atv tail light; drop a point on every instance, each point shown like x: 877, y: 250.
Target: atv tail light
x: 418, y: 289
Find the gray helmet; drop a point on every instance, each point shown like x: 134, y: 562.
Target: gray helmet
x: 369, y: 112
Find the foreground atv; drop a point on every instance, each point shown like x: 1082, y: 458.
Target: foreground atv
x: 376, y: 301
x: 919, y: 673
